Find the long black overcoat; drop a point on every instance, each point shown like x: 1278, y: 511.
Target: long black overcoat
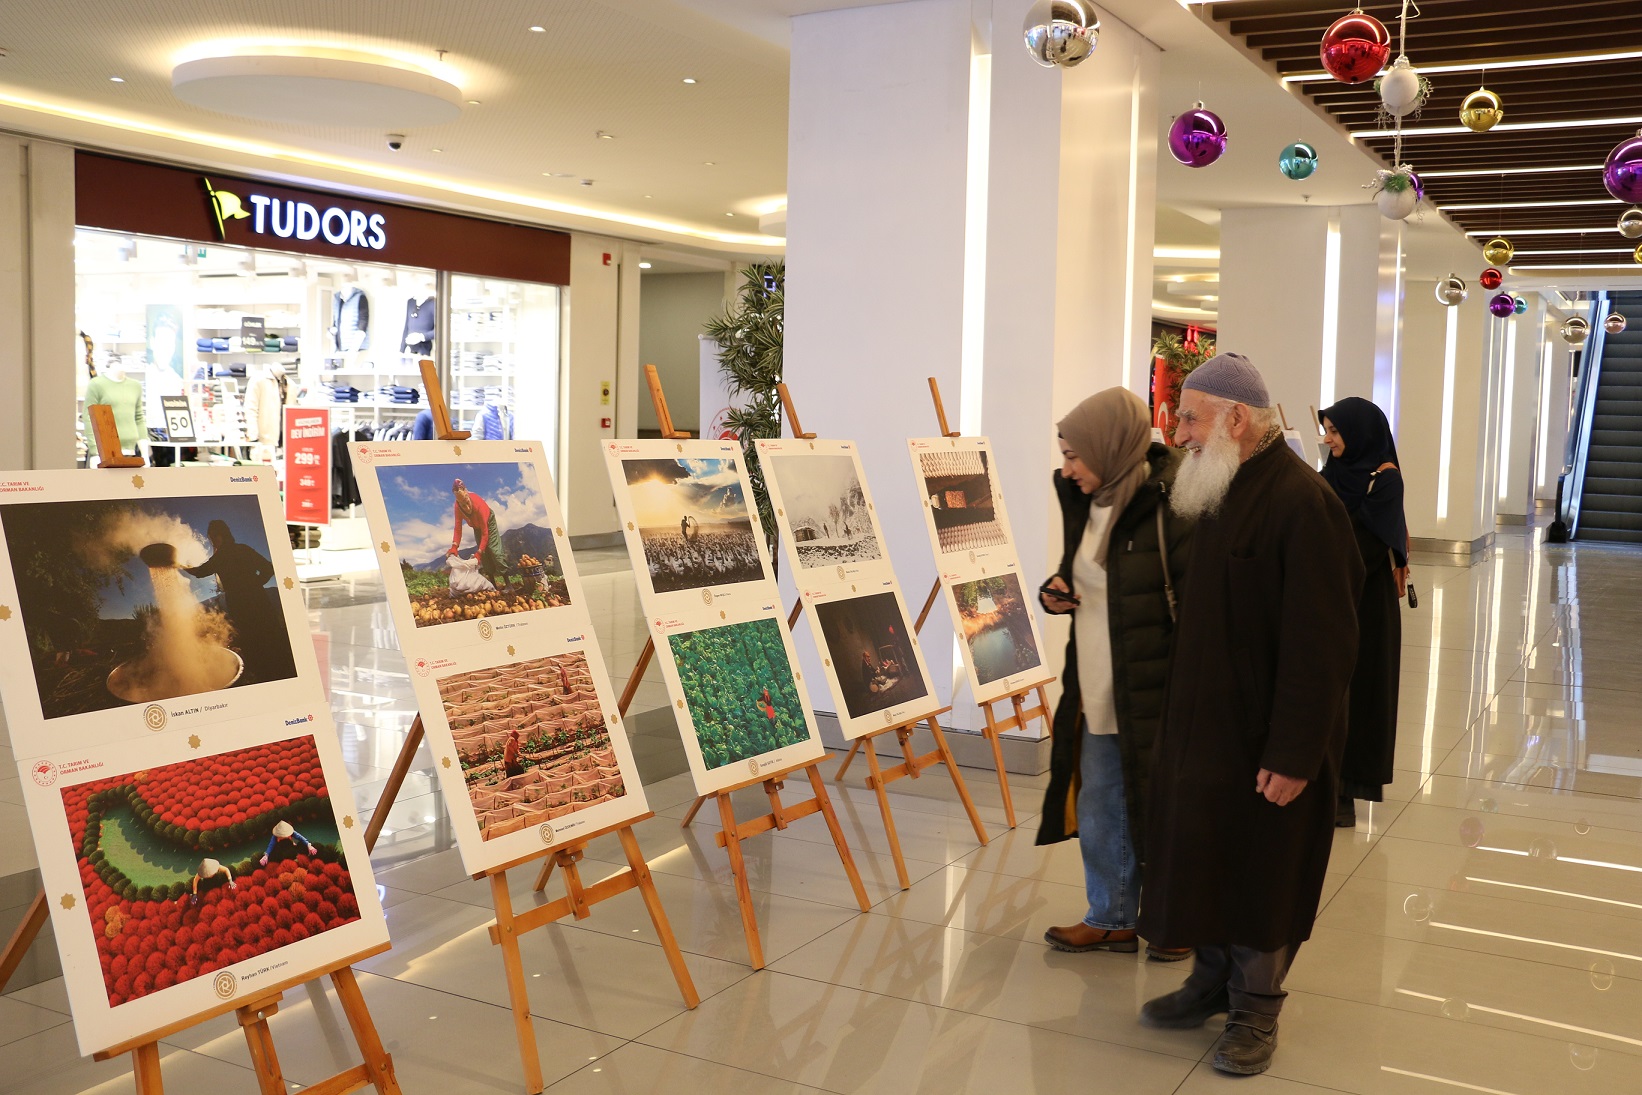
x: 1264, y: 651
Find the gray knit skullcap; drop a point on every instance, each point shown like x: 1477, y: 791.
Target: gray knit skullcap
x: 1229, y: 376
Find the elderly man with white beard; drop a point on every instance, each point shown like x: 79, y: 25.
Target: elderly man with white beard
x: 1254, y: 715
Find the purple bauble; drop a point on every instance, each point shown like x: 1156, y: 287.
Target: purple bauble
x: 1419, y: 187
x: 1503, y: 305
x: 1622, y: 174
x: 1198, y: 137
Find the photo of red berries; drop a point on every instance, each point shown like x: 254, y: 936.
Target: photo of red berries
x: 192, y: 867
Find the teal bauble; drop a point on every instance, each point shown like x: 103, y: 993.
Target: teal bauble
x: 1297, y: 161
x: 1522, y: 306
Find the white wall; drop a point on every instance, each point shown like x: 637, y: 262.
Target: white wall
x: 676, y: 307
x: 601, y: 344
x: 1519, y: 414
x: 38, y: 345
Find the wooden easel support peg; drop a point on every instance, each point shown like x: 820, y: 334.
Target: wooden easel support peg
x: 664, y: 417
x: 792, y: 413
x: 940, y: 410
x: 442, y: 426
x: 107, y: 436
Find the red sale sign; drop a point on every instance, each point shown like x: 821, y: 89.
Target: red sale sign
x: 308, y: 465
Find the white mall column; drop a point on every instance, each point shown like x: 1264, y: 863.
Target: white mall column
x: 956, y: 211
x: 1523, y: 361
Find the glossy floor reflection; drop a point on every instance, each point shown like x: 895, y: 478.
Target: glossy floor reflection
x: 1481, y: 929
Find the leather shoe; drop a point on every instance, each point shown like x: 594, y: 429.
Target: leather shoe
x: 1167, y: 954
x: 1246, y: 1046
x: 1345, y: 814
x: 1080, y: 938
x: 1184, y: 1008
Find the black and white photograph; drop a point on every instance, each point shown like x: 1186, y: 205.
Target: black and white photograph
x: 824, y: 509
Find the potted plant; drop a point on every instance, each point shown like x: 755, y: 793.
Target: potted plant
x: 749, y: 337
x: 1174, y: 359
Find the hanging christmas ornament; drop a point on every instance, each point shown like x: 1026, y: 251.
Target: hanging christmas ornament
x: 1522, y: 305
x: 1490, y: 279
x: 1614, y: 324
x: 1397, y: 193
x: 1402, y: 89
x: 1630, y: 223
x: 1637, y: 254
x: 1061, y: 33
x: 1498, y: 251
x: 1481, y: 111
x: 1355, y: 48
x: 1502, y: 305
x: 1622, y: 174
x: 1297, y: 161
x: 1574, y: 330
x: 1451, y: 290
x: 1198, y: 137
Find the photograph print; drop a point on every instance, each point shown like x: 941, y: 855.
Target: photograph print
x: 739, y: 690
x: 869, y: 643
x: 533, y: 741
x: 997, y: 627
x: 137, y: 601
x: 958, y: 488
x: 693, y: 522
x: 473, y: 539
x: 825, y: 507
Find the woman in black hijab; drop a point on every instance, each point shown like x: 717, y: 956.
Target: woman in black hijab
x: 1362, y: 469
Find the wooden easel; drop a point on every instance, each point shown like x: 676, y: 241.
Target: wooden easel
x: 731, y: 833
x: 994, y: 726
x: 377, y: 1067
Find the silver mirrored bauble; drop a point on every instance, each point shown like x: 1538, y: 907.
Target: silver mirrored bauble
x: 1614, y: 324
x: 1630, y: 223
x: 1061, y: 33
x: 1451, y: 290
x: 1575, y: 329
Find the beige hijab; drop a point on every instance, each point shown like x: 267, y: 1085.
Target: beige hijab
x: 1110, y: 431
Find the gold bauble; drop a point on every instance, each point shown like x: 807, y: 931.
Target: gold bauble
x: 1637, y: 254
x: 1498, y: 251
x: 1481, y: 111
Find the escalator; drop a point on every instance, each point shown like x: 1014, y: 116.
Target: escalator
x: 1610, y: 499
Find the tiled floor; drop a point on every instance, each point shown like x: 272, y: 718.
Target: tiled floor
x: 1481, y: 931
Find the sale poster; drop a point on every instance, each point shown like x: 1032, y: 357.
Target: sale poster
x: 308, y: 465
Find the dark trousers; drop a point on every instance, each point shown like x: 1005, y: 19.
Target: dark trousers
x: 1253, y: 979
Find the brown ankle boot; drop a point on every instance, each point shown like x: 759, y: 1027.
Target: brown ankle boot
x: 1079, y: 938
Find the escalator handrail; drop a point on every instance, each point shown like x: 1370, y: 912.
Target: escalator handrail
x: 1579, y: 433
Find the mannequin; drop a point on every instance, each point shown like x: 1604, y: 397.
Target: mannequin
x: 263, y: 404
x: 124, y: 395
x: 421, y: 318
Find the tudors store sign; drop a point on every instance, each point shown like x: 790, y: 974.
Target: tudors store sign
x: 158, y: 200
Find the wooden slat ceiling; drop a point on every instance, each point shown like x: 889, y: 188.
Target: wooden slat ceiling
x: 1287, y: 33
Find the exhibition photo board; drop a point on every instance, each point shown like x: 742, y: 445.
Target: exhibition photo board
x: 846, y: 582
x: 515, y: 698
x: 978, y: 568
x: 713, y: 608
x: 190, y: 810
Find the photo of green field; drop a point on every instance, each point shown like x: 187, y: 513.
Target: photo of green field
x: 739, y: 689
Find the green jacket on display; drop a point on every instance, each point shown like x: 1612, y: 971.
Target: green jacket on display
x: 1142, y: 633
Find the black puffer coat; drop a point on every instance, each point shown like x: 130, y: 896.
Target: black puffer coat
x: 1142, y: 631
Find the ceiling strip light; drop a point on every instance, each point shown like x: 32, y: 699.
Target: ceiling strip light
x: 219, y: 142
x: 1472, y: 172
x: 1529, y: 205
x: 1580, y: 251
x: 1583, y: 230
x: 1456, y: 130
x: 1578, y: 266
x: 1185, y: 252
x: 1495, y: 66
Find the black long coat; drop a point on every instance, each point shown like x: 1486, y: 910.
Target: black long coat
x: 1264, y: 651
x: 1371, y: 742
x: 1138, y: 615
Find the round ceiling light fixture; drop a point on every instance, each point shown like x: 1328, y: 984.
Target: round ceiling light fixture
x: 316, y: 85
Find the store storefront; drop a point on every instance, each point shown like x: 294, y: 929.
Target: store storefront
x: 207, y: 303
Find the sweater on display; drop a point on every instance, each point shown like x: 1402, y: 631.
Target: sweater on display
x: 125, y: 398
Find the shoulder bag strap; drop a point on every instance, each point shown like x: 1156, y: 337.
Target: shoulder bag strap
x: 1163, y: 554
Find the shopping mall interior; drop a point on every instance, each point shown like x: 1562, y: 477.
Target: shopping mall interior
x: 304, y: 254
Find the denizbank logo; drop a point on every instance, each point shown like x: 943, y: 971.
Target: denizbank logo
x: 289, y: 219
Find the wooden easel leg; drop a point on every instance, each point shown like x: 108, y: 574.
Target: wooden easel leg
x: 658, y: 916
x: 518, y: 997
x: 822, y: 800
x: 21, y: 939
x: 643, y: 663
x: 145, y: 1066
x: 264, y: 1061
x: 957, y: 780
x: 1003, y: 777
x: 876, y: 782
x: 545, y: 873
x: 691, y: 814
x: 390, y: 789
x: 378, y: 1062
x: 849, y: 758
x: 738, y: 869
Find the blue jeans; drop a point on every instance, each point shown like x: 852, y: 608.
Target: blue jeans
x: 1111, y: 874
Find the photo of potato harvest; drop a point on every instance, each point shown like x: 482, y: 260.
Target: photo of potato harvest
x: 533, y: 741
x: 739, y: 689
x: 693, y: 522
x: 191, y: 867
x: 133, y: 602
x: 997, y: 627
x: 474, y: 540
x: 958, y: 485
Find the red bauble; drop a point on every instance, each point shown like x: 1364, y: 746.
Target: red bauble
x: 1355, y: 48
x: 1490, y: 278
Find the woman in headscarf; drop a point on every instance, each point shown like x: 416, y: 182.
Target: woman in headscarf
x: 1125, y: 555
x: 1362, y: 469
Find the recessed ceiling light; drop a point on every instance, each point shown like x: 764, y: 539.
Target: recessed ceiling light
x: 603, y: 136
x: 729, y: 214
x: 708, y: 163
x: 435, y: 150
x: 116, y: 79
x: 473, y: 102
x: 644, y: 266
x: 689, y: 79
x: 647, y: 195
x: 538, y: 30
x: 556, y: 174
